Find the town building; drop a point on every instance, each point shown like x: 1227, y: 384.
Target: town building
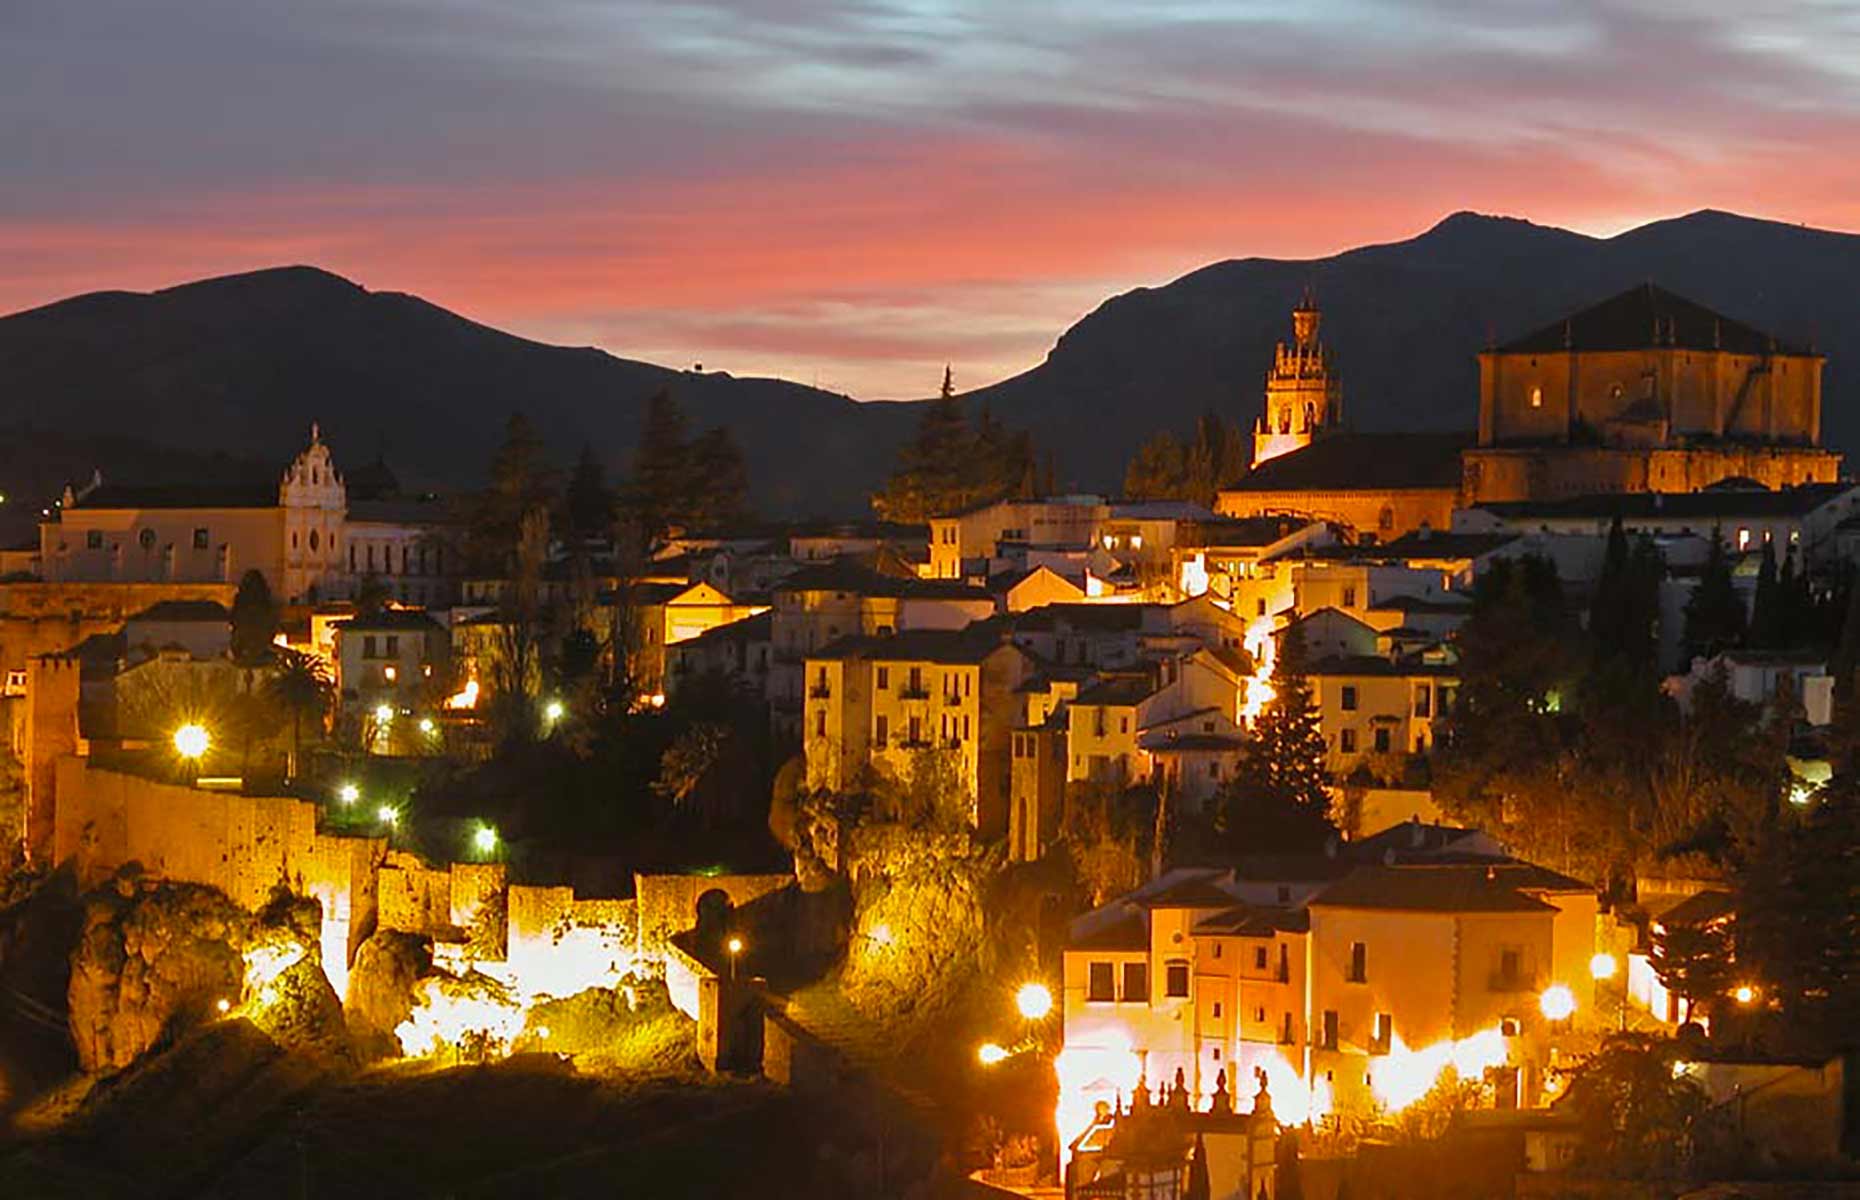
x: 1375, y: 712
x: 1373, y: 486
x: 1645, y: 391
x: 1304, y: 395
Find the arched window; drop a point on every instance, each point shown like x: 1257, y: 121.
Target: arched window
x: 1285, y: 421
x: 1537, y: 397
x: 1310, y: 416
x: 146, y: 539
x: 313, y: 539
x: 1385, y: 520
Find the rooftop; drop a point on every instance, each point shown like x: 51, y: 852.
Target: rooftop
x: 1363, y: 462
x: 950, y: 646
x: 1705, y: 506
x: 1443, y: 889
x: 209, y: 611
x: 391, y: 620
x: 846, y: 574
x: 1369, y: 664
x: 1648, y: 317
x: 181, y: 495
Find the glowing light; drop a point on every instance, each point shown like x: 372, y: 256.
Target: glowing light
x: 1603, y: 966
x: 990, y: 1054
x: 447, y: 1014
x: 1257, y: 690
x: 657, y: 700
x: 1403, y: 1076
x: 390, y: 673
x: 1087, y: 1075
x: 426, y: 725
x: 348, y: 793
x: 734, y: 945
x: 485, y: 839
x: 466, y: 697
x: 191, y: 741
x: 1557, y: 1003
x: 383, y: 713
x: 542, y: 1031
x: 1744, y: 993
x: 1034, y: 1001
x: 387, y: 815
x: 265, y: 961
x: 223, y: 1004
x: 553, y: 711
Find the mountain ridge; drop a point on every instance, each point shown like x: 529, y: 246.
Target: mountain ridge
x: 241, y: 364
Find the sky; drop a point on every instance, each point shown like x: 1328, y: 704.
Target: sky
x: 854, y: 194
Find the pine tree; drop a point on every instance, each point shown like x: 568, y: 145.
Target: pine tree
x: 721, y: 479
x: 1715, y: 616
x: 590, y: 502
x: 521, y: 479
x: 662, y: 474
x: 1766, y: 616
x: 1280, y: 797
x: 1607, y: 611
x: 254, y: 621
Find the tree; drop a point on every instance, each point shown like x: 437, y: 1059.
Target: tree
x: 254, y: 622
x: 1767, y: 618
x: 301, y: 686
x: 589, y: 503
x: 1279, y: 799
x: 1157, y: 471
x: 720, y: 486
x: 520, y: 481
x: 1715, y: 615
x: 662, y: 475
x: 1635, y: 1113
x: 1694, y: 962
x: 1168, y: 468
x: 929, y: 476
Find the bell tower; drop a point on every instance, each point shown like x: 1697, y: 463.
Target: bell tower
x: 1304, y: 398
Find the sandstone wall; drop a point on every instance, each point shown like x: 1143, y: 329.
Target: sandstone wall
x: 242, y: 845
x: 668, y: 904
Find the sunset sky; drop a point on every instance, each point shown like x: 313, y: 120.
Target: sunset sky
x: 852, y: 194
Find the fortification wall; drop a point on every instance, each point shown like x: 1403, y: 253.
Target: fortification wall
x: 243, y: 845
x: 668, y: 904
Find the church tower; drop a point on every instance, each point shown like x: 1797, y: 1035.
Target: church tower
x: 1304, y: 398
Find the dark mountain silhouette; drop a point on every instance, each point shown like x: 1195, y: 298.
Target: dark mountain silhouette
x: 1406, y: 319
x: 242, y: 364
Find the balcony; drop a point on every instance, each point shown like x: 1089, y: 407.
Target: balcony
x: 914, y: 743
x: 952, y: 699
x: 820, y: 691
x: 913, y: 692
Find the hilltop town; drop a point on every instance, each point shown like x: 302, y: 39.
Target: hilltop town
x: 1331, y: 813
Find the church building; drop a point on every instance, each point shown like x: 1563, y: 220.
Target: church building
x: 1304, y: 398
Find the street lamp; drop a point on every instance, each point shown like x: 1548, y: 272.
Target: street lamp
x: 1744, y: 993
x: 191, y: 741
x: 485, y: 839
x: 1602, y: 966
x: 384, y: 713
x: 554, y: 711
x: 348, y: 793
x: 990, y: 1054
x: 1557, y: 1003
x: 388, y: 816
x: 735, y: 947
x: 1034, y: 1001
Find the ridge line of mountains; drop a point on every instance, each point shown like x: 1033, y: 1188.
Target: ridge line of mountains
x: 224, y: 375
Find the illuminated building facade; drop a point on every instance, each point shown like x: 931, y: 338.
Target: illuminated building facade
x: 1304, y: 396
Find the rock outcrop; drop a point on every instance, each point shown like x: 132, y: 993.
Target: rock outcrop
x: 381, y: 983
x: 153, y: 959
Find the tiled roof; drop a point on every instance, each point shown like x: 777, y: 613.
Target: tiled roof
x: 1346, y: 665
x: 845, y: 574
x: 184, y: 610
x: 1430, y: 543
x: 390, y: 620
x: 758, y: 628
x: 182, y: 495
x: 1125, y: 932
x: 1469, y: 888
x: 1247, y: 532
x: 1189, y: 893
x: 1363, y: 462
x: 1647, y: 317
x: 1166, y: 743
x: 1082, y: 615
x: 953, y: 646
x: 1700, y: 909
x: 1704, y: 507
x: 1251, y: 921
x: 1117, y: 691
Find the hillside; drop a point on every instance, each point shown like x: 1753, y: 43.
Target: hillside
x: 1407, y: 318
x: 244, y: 363
x: 240, y: 365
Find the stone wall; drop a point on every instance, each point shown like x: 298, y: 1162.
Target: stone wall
x: 668, y: 904
x: 243, y: 845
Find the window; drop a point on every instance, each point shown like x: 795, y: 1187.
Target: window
x: 1349, y: 597
x: 1136, y: 983
x: 93, y: 540
x: 1743, y: 539
x: 368, y: 646
x: 1098, y: 982
x: 1537, y: 397
x: 1175, y: 982
x: 146, y: 539
x: 1259, y: 1014
x: 1385, y: 520
x: 200, y: 538
x: 1348, y: 702
x: 884, y: 679
x: 1285, y: 1029
x: 1329, y: 1041
x: 1346, y: 741
x: 1285, y: 964
x: 882, y: 733
x: 313, y: 539
x: 1217, y: 1010
x: 1259, y: 958
x: 1384, y: 1034
x: 1382, y: 740
x: 393, y: 645
x: 820, y: 723
x: 1423, y: 701
x: 1359, y: 963
x: 1214, y: 770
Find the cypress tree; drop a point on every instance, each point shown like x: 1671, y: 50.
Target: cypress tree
x: 1715, y: 617
x: 1766, y: 617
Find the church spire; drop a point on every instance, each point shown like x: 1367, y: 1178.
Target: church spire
x: 1304, y: 398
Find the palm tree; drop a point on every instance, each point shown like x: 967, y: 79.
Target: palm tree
x: 300, y: 685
